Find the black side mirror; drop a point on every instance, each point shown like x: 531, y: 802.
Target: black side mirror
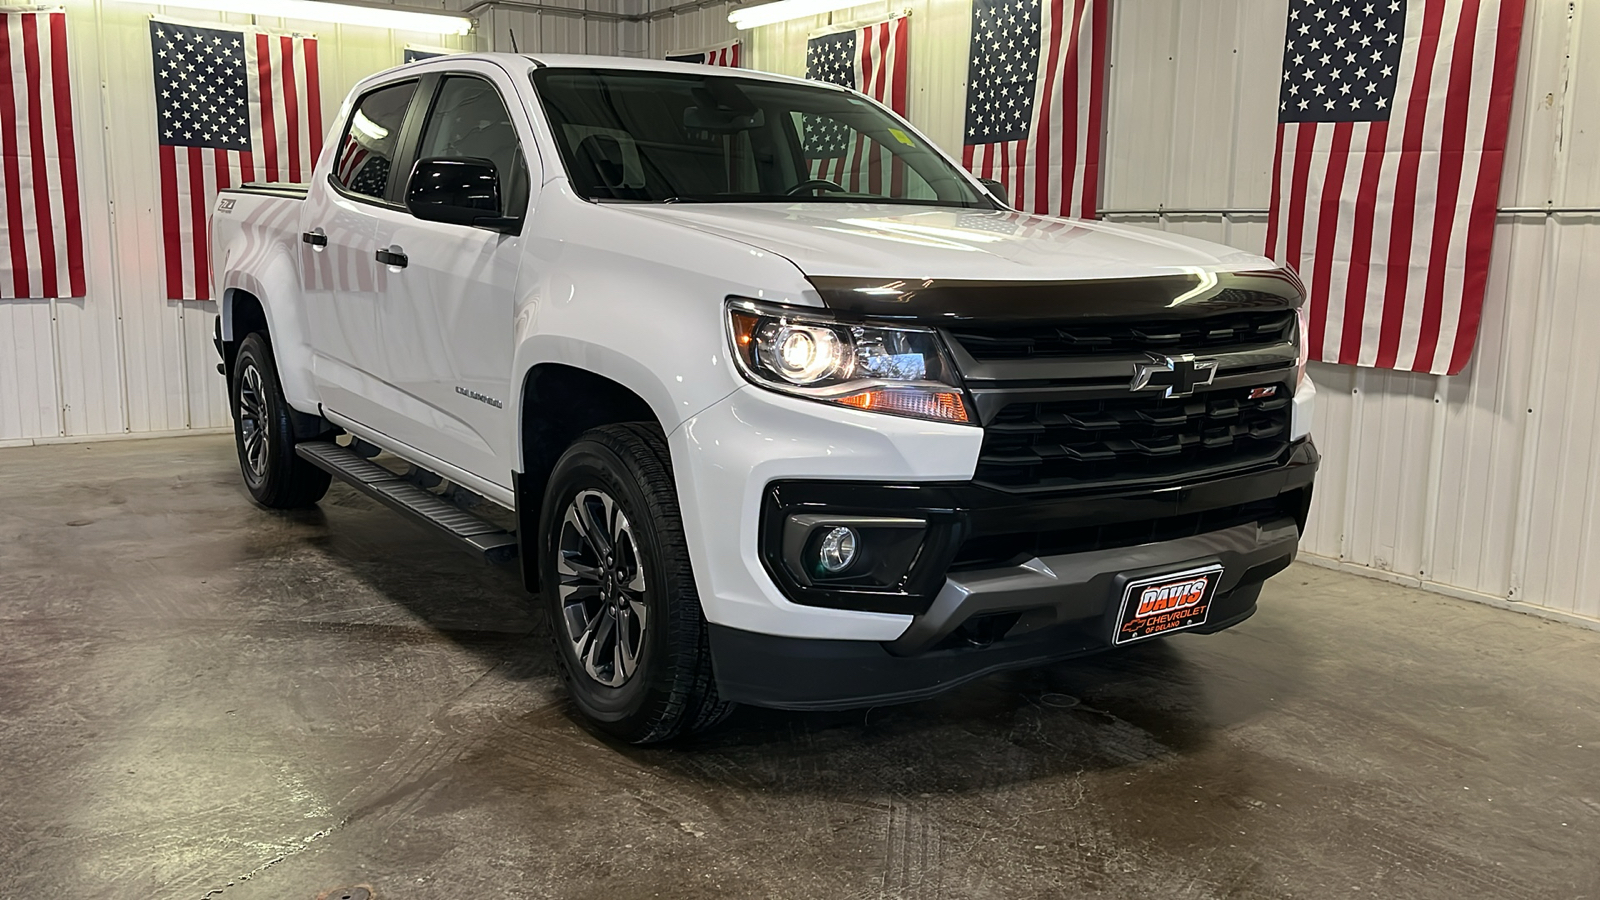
x: 458, y: 191
x: 997, y: 189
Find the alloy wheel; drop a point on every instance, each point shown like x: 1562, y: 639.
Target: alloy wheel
x: 602, y: 588
x: 253, y: 421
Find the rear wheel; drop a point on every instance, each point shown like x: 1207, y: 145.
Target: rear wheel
x: 624, y: 613
x: 264, y: 433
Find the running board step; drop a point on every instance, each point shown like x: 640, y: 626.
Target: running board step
x: 486, y: 539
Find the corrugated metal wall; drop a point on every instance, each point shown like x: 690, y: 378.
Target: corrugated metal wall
x: 591, y: 30
x: 1484, y: 484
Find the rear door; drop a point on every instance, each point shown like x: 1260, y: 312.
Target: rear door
x: 445, y: 320
x: 339, y: 277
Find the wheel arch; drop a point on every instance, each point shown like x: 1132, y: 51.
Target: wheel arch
x: 241, y: 313
x: 556, y: 403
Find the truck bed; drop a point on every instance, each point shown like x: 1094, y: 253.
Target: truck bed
x: 286, y: 189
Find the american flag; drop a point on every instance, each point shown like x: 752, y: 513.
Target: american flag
x: 42, y: 254
x: 873, y: 61
x: 232, y: 105
x: 1035, y: 93
x: 413, y: 54
x: 725, y: 55
x: 1392, y: 120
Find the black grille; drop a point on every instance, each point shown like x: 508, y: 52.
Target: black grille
x: 1133, y: 439
x: 1232, y: 331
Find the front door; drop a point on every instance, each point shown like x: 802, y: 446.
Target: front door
x: 447, y: 310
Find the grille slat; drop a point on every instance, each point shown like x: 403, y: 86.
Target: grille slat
x: 1210, y: 334
x: 1058, y: 415
x: 1134, y: 437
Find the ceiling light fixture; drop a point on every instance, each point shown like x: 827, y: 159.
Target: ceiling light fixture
x: 784, y: 10
x: 399, y: 19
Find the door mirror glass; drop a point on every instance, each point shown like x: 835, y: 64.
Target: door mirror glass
x: 459, y: 191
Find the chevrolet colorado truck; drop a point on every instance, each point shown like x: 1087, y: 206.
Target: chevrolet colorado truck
x: 773, y: 402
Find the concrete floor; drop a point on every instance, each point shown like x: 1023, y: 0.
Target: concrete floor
x: 199, y: 698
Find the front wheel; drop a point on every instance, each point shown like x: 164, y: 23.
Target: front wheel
x: 263, y: 433
x: 624, y: 613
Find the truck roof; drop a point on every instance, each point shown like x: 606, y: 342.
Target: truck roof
x: 593, y: 61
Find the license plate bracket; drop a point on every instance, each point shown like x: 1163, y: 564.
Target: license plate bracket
x: 1165, y: 603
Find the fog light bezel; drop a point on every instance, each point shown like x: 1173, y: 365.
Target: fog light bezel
x: 900, y: 563
x: 887, y: 548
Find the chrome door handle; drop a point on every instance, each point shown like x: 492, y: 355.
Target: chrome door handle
x: 315, y: 238
x: 395, y: 258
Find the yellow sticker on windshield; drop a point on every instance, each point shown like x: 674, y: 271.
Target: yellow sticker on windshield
x: 902, y: 137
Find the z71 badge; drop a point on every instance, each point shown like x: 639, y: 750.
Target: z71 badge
x: 1166, y: 603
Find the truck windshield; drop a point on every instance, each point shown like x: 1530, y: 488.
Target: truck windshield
x: 714, y: 138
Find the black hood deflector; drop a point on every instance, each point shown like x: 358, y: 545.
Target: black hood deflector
x: 950, y: 301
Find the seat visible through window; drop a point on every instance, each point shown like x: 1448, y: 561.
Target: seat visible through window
x: 469, y: 120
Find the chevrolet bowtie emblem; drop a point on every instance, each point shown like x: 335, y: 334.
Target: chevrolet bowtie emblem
x: 1180, y: 375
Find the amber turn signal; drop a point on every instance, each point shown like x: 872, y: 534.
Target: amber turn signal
x: 941, y: 405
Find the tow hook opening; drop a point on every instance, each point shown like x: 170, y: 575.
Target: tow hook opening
x: 981, y: 630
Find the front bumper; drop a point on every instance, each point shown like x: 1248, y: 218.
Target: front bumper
x: 1046, y: 608
x: 729, y: 456
x: 794, y: 673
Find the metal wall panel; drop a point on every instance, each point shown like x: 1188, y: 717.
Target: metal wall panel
x: 27, y: 373
x: 689, y: 30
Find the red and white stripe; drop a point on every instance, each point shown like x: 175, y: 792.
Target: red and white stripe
x: 41, y: 254
x: 1389, y: 223
x: 1055, y: 170
x: 351, y: 156
x: 726, y: 55
x: 285, y: 98
x: 881, y: 61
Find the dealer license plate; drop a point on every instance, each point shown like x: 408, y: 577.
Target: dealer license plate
x: 1163, y: 604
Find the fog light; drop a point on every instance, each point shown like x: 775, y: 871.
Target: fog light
x: 838, y: 550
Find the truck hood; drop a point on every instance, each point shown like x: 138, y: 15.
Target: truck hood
x: 879, y: 240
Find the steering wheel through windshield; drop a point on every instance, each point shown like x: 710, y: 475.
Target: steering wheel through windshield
x: 815, y: 184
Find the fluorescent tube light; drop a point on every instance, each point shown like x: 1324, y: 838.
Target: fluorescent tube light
x: 783, y: 11
x: 343, y: 13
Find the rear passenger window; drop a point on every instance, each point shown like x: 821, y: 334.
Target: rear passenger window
x: 367, y: 151
x: 470, y: 120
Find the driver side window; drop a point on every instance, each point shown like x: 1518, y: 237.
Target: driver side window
x: 469, y: 120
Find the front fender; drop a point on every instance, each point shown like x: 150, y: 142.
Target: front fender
x: 639, y: 301
x: 609, y: 363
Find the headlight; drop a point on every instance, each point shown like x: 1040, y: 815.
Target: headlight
x: 1302, y: 328
x: 902, y: 371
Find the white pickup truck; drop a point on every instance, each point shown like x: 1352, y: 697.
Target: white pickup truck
x: 773, y: 401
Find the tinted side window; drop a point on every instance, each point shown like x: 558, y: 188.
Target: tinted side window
x: 367, y: 150
x: 470, y: 120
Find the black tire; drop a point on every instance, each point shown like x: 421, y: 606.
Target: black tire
x: 669, y: 689
x: 263, y: 433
